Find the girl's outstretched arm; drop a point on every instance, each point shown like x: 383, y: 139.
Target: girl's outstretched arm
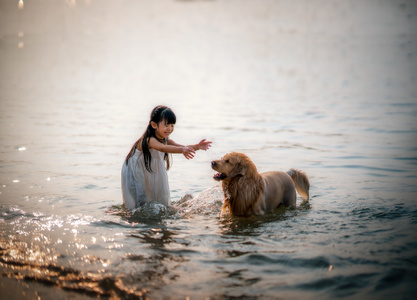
x: 202, y: 145
x: 188, y: 152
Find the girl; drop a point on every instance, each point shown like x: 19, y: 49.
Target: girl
x: 144, y: 176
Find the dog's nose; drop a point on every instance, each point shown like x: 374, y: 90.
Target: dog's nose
x: 213, y: 164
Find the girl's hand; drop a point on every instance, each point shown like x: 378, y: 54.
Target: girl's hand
x: 204, y: 145
x: 188, y: 152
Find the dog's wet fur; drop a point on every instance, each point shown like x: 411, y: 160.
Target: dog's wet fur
x: 248, y: 192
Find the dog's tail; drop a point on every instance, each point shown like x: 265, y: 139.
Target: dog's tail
x: 302, y: 184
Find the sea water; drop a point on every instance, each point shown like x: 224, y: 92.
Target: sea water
x: 328, y: 87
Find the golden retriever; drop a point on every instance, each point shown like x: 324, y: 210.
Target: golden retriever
x: 248, y: 192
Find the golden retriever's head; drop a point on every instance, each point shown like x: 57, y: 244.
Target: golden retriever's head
x: 232, y: 165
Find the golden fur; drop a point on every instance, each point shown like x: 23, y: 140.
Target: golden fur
x: 248, y: 192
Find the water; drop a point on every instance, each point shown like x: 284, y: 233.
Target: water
x: 328, y: 87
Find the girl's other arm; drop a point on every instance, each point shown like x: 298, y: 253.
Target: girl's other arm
x: 188, y: 152
x: 172, y: 143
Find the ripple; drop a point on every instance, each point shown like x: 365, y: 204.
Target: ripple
x: 13, y: 213
x: 340, y: 286
x: 364, y: 167
x: 318, y: 262
x: 397, y: 277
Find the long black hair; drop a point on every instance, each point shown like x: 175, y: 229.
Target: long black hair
x: 158, y: 114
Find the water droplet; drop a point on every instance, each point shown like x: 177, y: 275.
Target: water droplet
x: 21, y: 4
x: 330, y: 268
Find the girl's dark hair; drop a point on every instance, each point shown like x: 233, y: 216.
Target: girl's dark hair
x: 158, y: 114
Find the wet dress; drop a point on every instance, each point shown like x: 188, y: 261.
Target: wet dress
x: 140, y: 186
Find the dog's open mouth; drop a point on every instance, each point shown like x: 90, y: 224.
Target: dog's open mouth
x: 219, y: 176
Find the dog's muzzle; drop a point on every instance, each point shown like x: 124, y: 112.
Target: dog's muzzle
x: 217, y: 176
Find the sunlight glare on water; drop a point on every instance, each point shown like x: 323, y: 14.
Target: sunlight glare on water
x: 325, y: 86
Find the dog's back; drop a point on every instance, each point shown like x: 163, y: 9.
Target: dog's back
x: 280, y: 189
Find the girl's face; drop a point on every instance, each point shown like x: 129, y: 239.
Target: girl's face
x: 162, y: 129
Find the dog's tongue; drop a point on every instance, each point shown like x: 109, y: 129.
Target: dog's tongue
x: 219, y: 176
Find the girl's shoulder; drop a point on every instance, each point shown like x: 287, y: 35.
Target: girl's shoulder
x: 151, y: 140
x: 139, y: 144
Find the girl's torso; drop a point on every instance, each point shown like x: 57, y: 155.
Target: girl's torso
x: 146, y: 186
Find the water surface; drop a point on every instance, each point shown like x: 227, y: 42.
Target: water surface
x: 324, y: 86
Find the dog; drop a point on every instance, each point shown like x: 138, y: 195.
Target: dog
x: 248, y: 192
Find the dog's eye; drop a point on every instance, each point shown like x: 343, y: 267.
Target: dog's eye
x: 227, y: 161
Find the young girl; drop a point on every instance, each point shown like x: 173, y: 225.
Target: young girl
x: 144, y: 176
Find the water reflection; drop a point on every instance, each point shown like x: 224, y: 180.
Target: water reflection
x: 40, y: 268
x: 156, y: 238
x: 161, y: 255
x: 253, y: 225
x: 57, y: 252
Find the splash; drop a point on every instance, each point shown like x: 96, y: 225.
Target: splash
x: 151, y: 211
x: 207, y: 202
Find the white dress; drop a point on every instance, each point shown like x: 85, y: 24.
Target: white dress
x: 140, y: 186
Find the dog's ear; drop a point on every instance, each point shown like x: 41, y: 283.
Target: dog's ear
x: 239, y: 169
